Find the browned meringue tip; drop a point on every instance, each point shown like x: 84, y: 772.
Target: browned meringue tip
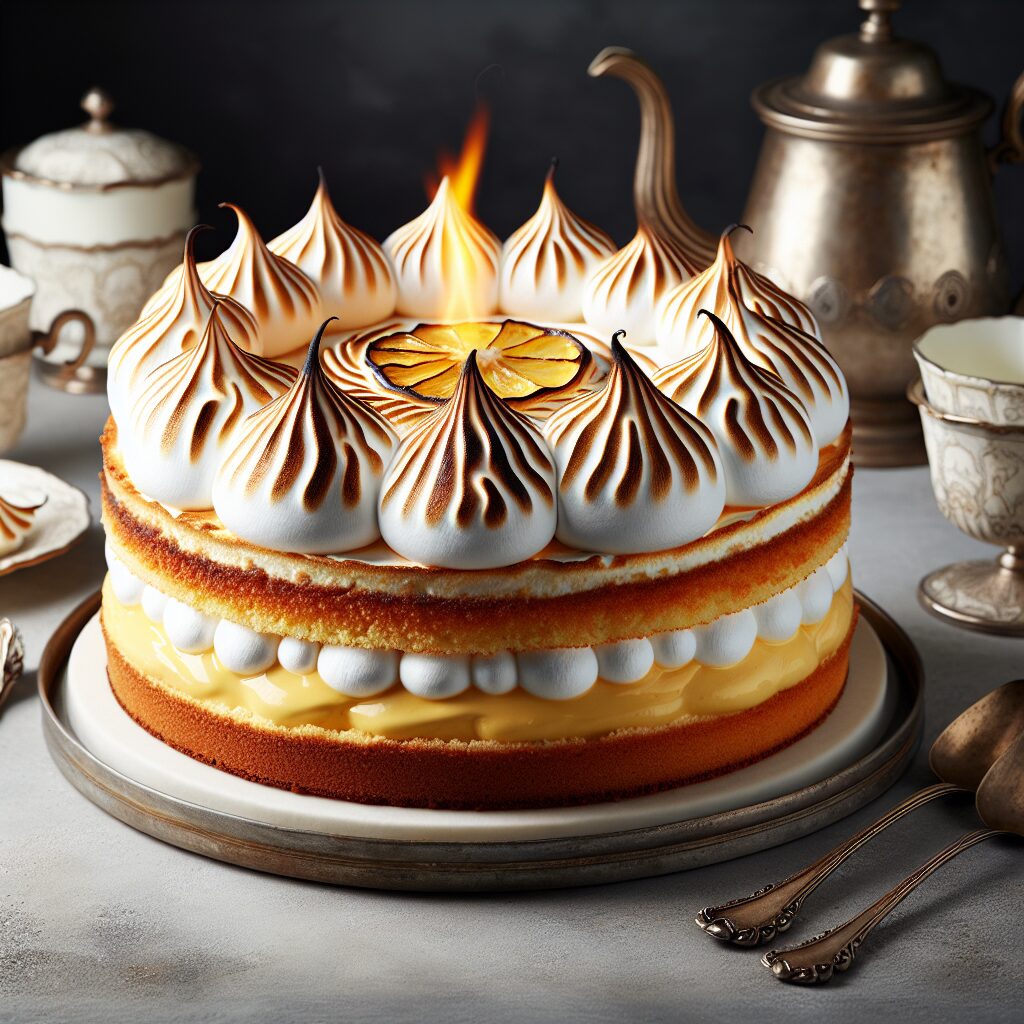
x: 735, y: 227
x: 190, y: 240
x: 719, y: 323
x: 312, y: 363
x: 619, y: 352
x: 552, y: 167
x: 244, y: 220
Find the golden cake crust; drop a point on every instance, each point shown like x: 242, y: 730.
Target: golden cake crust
x: 543, y: 603
x: 479, y: 774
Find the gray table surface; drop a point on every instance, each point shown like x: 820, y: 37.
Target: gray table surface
x: 101, y: 923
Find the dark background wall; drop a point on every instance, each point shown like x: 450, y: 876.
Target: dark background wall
x: 264, y: 91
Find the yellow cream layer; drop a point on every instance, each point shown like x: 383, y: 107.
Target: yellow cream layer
x: 664, y: 696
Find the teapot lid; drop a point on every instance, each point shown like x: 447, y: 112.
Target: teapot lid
x: 871, y: 87
x: 98, y: 155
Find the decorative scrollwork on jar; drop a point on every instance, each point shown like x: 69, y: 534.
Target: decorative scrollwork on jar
x: 891, y: 302
x: 951, y: 294
x: 829, y: 300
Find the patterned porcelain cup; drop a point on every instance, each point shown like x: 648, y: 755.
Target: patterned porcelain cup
x: 975, y: 368
x: 16, y: 291
x: 977, y: 471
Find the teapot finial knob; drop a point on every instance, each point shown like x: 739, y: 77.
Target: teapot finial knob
x: 98, y: 104
x: 876, y: 27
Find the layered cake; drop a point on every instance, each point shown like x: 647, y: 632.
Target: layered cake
x: 447, y: 522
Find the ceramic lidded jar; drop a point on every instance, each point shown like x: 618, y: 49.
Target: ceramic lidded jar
x: 97, y: 216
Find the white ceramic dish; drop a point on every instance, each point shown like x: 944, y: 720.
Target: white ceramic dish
x: 110, y: 735
x: 58, y: 525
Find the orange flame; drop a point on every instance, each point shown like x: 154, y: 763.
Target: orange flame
x: 463, y: 172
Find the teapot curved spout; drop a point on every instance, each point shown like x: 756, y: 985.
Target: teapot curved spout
x: 655, y: 194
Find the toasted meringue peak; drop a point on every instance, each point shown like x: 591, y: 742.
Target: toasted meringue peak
x: 472, y: 486
x: 189, y: 411
x: 635, y: 471
x: 354, y: 277
x: 724, y: 284
x: 446, y: 262
x: 172, y: 326
x: 305, y: 471
x: 622, y: 292
x: 545, y: 263
x: 345, y: 365
x: 771, y: 327
x: 803, y: 364
x: 764, y: 435
x: 16, y: 519
x: 284, y: 301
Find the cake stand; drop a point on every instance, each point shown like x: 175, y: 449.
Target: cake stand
x: 856, y: 754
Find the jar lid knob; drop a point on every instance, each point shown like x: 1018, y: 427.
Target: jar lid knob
x: 876, y: 27
x: 99, y: 106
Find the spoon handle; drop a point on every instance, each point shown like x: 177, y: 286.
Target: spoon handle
x: 815, y: 961
x: 756, y: 919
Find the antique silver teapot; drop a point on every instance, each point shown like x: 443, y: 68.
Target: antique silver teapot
x: 872, y: 201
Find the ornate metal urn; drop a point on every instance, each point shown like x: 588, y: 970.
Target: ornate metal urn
x: 872, y: 201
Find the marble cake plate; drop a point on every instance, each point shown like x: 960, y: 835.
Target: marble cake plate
x: 855, y: 755
x: 57, y: 526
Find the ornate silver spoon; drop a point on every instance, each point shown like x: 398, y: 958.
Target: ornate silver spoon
x: 1000, y: 805
x: 960, y: 757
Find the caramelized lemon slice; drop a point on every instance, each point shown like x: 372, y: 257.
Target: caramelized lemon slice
x: 519, y: 362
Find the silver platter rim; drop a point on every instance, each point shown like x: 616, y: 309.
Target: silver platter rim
x: 419, y: 866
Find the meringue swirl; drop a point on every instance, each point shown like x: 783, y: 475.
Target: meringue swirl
x: 15, y: 522
x: 284, y: 301
x: 306, y: 469
x: 635, y: 471
x: 773, y: 329
x: 173, y: 325
x: 354, y: 277
x: 188, y: 412
x: 621, y: 294
x: 545, y: 263
x: 472, y: 486
x: 345, y: 364
x: 764, y: 435
x: 445, y: 261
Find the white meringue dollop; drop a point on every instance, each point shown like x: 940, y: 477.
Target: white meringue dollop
x: 298, y: 656
x: 624, y: 290
x: 445, y: 261
x: 188, y: 630
x: 727, y: 640
x: 768, y: 449
x: 350, y: 269
x: 283, y: 300
x: 471, y: 486
x: 494, y: 673
x: 546, y: 262
x: 189, y: 412
x: 16, y: 520
x: 627, y: 661
x: 173, y: 324
x: 775, y: 331
x: 675, y: 649
x: 243, y: 650
x: 558, y: 674
x: 635, y: 471
x: 358, y: 671
x: 434, y: 676
x: 305, y: 470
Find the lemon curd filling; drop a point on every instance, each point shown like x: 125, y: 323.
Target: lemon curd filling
x: 278, y: 697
